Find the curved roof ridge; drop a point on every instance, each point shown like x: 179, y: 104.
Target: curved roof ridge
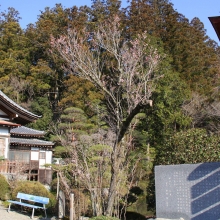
x: 17, y: 107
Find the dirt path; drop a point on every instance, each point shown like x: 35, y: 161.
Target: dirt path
x: 16, y: 215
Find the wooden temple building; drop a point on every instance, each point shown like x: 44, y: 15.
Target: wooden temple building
x: 23, y: 152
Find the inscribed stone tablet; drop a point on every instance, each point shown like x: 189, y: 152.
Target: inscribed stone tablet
x: 190, y: 191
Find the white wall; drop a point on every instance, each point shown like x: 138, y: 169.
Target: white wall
x: 4, y: 130
x: 47, y: 160
x: 6, y: 147
x: 49, y: 157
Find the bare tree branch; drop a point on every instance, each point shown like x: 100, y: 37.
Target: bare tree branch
x: 124, y: 70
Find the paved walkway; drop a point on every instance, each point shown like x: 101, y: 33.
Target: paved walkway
x: 16, y: 215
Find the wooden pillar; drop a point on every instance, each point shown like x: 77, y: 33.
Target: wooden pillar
x: 61, y: 207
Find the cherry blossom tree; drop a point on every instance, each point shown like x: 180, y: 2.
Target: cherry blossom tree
x: 125, y: 71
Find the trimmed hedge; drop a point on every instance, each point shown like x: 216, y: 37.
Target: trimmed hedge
x: 4, y: 188
x: 34, y: 188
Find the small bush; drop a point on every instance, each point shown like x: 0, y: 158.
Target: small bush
x: 5, y: 188
x: 134, y: 215
x: 34, y: 188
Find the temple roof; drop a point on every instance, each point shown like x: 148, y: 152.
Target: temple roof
x: 25, y: 131
x: 216, y: 24
x: 8, y: 124
x: 15, y: 111
x: 30, y: 142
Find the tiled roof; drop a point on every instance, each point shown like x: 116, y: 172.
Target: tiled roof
x: 30, y: 142
x: 17, y: 109
x: 25, y: 131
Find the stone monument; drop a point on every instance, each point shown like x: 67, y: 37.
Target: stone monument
x: 188, y: 191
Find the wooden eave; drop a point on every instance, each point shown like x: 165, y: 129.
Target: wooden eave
x: 15, y: 112
x: 215, y: 21
x: 30, y: 142
x: 8, y: 124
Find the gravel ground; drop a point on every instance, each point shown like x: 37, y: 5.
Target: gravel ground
x: 17, y: 215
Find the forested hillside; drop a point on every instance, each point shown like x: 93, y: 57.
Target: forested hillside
x: 119, y: 90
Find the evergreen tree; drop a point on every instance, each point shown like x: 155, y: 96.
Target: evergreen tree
x: 104, y: 9
x: 41, y: 106
x: 193, y: 54
x: 14, y: 56
x: 46, y: 75
x: 87, y: 155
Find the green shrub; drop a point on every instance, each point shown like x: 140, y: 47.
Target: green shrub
x: 34, y: 188
x: 191, y: 146
x: 5, y: 188
x: 104, y: 218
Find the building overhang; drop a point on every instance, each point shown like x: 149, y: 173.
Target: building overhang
x: 215, y: 21
x: 30, y: 142
x: 15, y: 112
x: 9, y: 124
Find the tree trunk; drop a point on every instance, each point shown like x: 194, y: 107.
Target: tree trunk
x: 96, y: 203
x: 112, y: 193
x: 114, y: 180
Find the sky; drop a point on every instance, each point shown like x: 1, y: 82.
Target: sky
x: 29, y: 10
